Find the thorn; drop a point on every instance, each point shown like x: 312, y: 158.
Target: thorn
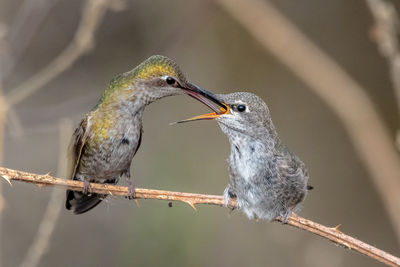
x: 7, y: 179
x: 191, y: 204
x: 336, y: 228
x: 110, y: 193
x: 137, y: 202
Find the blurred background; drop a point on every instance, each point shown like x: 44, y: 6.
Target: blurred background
x: 219, y: 54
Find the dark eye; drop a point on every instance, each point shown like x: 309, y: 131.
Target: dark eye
x: 170, y: 80
x: 241, y: 108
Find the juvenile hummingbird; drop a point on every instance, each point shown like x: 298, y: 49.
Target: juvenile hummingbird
x: 265, y: 177
x: 109, y: 135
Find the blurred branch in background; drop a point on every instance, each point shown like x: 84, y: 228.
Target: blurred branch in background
x: 15, y: 40
x: 341, y: 93
x: 331, y: 233
x: 46, y: 227
x: 27, y: 20
x: 386, y: 33
x: 82, y: 43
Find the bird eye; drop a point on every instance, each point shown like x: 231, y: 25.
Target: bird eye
x: 241, y: 108
x: 170, y: 80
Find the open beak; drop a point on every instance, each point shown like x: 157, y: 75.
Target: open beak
x: 208, y: 99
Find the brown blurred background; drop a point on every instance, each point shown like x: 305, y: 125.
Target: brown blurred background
x: 218, y: 54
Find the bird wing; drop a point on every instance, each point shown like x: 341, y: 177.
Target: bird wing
x: 290, y: 166
x: 140, y: 140
x: 76, y: 145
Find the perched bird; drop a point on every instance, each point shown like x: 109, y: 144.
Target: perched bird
x: 266, y: 178
x: 109, y: 135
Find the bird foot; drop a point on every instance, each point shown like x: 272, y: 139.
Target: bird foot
x: 87, y: 189
x: 228, y: 196
x: 131, y: 192
x: 285, y: 216
x: 131, y: 187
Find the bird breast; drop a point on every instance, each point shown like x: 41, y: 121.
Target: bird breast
x: 248, y: 158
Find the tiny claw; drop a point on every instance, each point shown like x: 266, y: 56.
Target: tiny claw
x: 285, y: 216
x: 131, y: 192
x: 191, y: 204
x: 7, y: 179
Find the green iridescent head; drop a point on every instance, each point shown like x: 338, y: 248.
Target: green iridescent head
x: 157, y: 75
x: 158, y: 66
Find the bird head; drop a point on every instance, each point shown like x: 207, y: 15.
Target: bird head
x: 159, y: 77
x: 244, y: 112
x: 155, y: 78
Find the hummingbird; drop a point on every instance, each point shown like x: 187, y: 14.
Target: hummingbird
x: 265, y: 177
x: 108, y: 137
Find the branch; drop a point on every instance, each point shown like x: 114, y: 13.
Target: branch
x: 370, y: 137
x: 331, y: 233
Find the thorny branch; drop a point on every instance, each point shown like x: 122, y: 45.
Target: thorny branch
x: 331, y: 233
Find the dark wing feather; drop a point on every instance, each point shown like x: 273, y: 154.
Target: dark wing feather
x: 140, y: 140
x: 75, y: 148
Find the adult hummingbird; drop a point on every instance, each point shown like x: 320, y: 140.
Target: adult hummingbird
x: 109, y: 135
x: 265, y: 177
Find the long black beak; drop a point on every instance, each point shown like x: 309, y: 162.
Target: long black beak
x: 207, y: 98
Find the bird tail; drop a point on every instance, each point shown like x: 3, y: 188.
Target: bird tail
x: 80, y: 203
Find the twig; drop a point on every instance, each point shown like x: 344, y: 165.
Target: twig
x: 341, y: 93
x: 46, y: 227
x: 331, y: 233
x: 82, y: 43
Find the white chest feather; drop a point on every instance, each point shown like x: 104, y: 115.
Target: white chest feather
x: 246, y: 159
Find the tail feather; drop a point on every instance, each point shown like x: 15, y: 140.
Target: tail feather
x: 80, y: 203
